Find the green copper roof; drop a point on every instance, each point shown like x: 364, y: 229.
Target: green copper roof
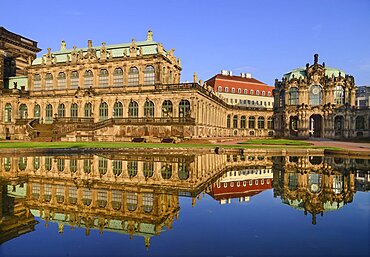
x: 299, y: 205
x: 301, y: 73
x: 117, y: 50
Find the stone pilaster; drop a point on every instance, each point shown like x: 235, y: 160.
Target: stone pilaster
x: 2, y: 69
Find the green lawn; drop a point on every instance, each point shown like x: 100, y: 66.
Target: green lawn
x: 251, y: 144
x: 276, y: 142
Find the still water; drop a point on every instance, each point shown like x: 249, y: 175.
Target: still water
x: 151, y: 204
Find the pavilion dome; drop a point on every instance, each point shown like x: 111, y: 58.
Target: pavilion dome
x: 301, y: 73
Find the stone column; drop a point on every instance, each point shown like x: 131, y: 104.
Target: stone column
x: 353, y: 97
x: 346, y: 96
x: 2, y: 68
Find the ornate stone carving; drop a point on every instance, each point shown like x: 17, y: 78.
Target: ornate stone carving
x: 149, y: 36
x: 103, y: 52
x: 133, y: 48
x: 63, y: 46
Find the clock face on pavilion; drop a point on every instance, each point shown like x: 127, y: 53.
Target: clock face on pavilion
x: 315, y: 90
x: 314, y: 188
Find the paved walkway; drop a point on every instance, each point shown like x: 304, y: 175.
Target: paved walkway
x: 352, y: 146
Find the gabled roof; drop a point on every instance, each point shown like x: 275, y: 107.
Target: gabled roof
x: 238, y: 82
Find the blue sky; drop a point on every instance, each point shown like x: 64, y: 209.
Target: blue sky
x: 266, y: 37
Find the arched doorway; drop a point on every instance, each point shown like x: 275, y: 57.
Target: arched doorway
x: 316, y: 125
x: 339, y: 125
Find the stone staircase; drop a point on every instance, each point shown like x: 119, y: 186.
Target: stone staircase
x: 44, y: 133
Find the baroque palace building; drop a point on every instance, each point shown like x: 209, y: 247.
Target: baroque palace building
x: 123, y: 92
x: 134, y: 193
x: 318, y: 101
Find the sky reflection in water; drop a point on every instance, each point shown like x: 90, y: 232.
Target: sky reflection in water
x: 261, y: 225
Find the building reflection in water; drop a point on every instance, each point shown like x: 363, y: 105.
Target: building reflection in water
x: 138, y: 194
x: 316, y: 184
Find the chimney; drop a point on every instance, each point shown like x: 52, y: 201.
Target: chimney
x: 248, y: 75
x: 224, y: 72
x: 230, y: 73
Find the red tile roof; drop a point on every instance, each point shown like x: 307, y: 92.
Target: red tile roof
x: 238, y: 82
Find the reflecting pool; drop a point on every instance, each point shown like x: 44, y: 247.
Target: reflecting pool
x: 184, y: 204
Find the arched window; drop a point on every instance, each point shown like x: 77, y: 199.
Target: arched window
x: 87, y: 166
x: 49, y: 81
x: 37, y: 82
x: 243, y: 122
x: 103, y: 111
x: 36, y: 111
x: 315, y: 95
x: 88, y: 79
x: 293, y: 123
x: 117, y: 167
x: 118, y: 77
x: 167, y: 108
x: 263, y: 93
x: 149, y: 109
x: 245, y: 91
x: 170, y: 78
x: 149, y: 75
x: 232, y: 90
x: 22, y: 163
x: 235, y: 121
x: 164, y: 75
x: 269, y: 93
x: 293, y: 96
x: 339, y: 95
x: 239, y: 91
x: 133, y: 76
x: 61, y: 110
x: 60, y: 165
x: 226, y: 89
x: 219, y: 89
x: 62, y: 84
x: 8, y: 113
x: 48, y: 163
x: 74, y: 110
x: 228, y: 121
x: 252, y: 122
x: 49, y: 113
x: 132, y: 168
x: 74, y: 80
x: 251, y: 92
x: 23, y: 111
x: 103, y: 78
x: 360, y: 122
x: 270, y: 123
x: 257, y: 92
x: 184, y: 108
x: 148, y: 169
x: 166, y: 170
x: 133, y: 109
x: 36, y: 162
x: 88, y: 110
x: 148, y: 202
x: 73, y: 165
x: 118, y: 110
x: 183, y: 170
x: 102, y: 166
x: 261, y: 122
x: 131, y: 199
